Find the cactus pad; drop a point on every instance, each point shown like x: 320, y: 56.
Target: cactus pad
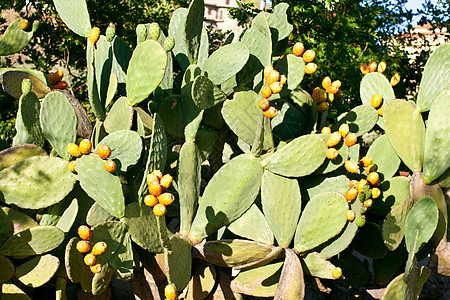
x: 12, y: 83
x: 293, y: 67
x: 77, y: 270
x: 394, y: 224
x: 102, y: 186
x: 202, y: 282
x: 369, y: 241
x: 385, y: 157
x: 281, y: 202
x: 310, y: 230
x: 179, y: 261
x: 38, y: 270
x: 7, y: 269
x: 385, y: 268
x: 29, y: 107
x: 228, y: 195
x: 13, y: 221
x: 15, y: 39
x: 360, y: 119
x: 330, y: 165
x: 278, y: 20
x: 393, y: 192
x: 406, y: 132
x: 122, y: 261
x: 32, y: 241
x: 101, y: 280
x: 120, y: 116
x: 145, y: 71
x: 205, y: 93
x: 36, y: 182
x: 317, y: 184
x: 112, y: 233
x: 300, y: 157
x: 375, y: 83
x: 97, y: 215
x: 75, y: 15
x: 68, y: 217
x: 291, y: 284
x: 13, y: 155
x: 318, y: 266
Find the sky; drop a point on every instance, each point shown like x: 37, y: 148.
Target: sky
x: 414, y: 5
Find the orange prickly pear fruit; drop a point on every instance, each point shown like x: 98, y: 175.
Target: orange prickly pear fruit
x: 368, y: 203
x: 371, y: 168
x: 373, y: 178
x: 97, y: 268
x: 85, y: 146
x: 326, y: 130
x: 298, y: 49
x: 90, y: 259
x: 55, y: 76
x: 110, y: 166
x: 73, y: 150
x: 350, y: 139
x: 276, y: 87
x: 361, y: 184
x: 263, y: 104
x: 331, y: 153
x: 351, y: 194
x: 332, y: 89
x: 155, y: 188
x: 94, y: 35
x: 84, y: 232
x: 267, y: 70
x: 310, y: 68
x: 166, y: 199
x: 266, y: 92
x: 336, y: 273
x: 366, y: 161
x: 309, y: 56
x: 24, y: 24
x: 271, y: 112
x: 152, y: 178
x: 274, y: 76
x: 104, y: 151
x: 319, y: 95
x: 326, y: 82
x: 60, y: 85
x: 350, y: 215
x: 323, y: 106
x: 159, y: 209
x: 83, y: 246
x: 344, y: 129
x: 373, y: 66
x: 375, y: 193
x: 380, y: 111
x: 166, y: 181
x: 395, y: 80
x: 158, y: 173
x: 99, y: 248
x: 376, y: 100
x: 353, y: 183
x: 364, y: 69
x: 170, y: 292
x: 283, y: 79
x: 352, y: 167
x: 381, y: 67
x: 150, y: 200
x: 72, y: 166
x: 334, y: 139
x: 336, y: 83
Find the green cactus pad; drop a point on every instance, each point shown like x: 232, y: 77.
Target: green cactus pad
x: 142, y: 227
x: 330, y: 165
x: 13, y: 155
x: 22, y: 136
x: 317, y: 266
x: 385, y: 268
x: 32, y: 241
x: 126, y: 148
x: 97, y: 215
x: 189, y: 180
x: 394, y: 224
x: 281, y: 203
x: 11, y: 82
x: 436, y: 149
x: 228, y: 195
x: 102, y: 186
x: 112, y: 89
x: 241, y: 115
x: 101, y: 280
x: 406, y: 132
x: 393, y: 192
x: 289, y: 123
x: 293, y: 67
x: 226, y: 62
x: 40, y: 75
x: 385, y: 157
x: 193, y: 29
x: 192, y: 115
x: 394, y: 290
x: 68, y: 217
x: 58, y: 122
x: 258, y: 42
x: 103, y: 64
x: 205, y: 93
x: 415, y: 282
x: 84, y: 128
x: 12, y: 291
x: 15, y: 39
x: 310, y: 230
x: 75, y: 15
x: 53, y: 214
x: 369, y: 241
x: 360, y: 119
x: 123, y: 261
x: 435, y: 78
x: 278, y: 20
x: 258, y: 282
x: 171, y: 112
x: 177, y: 30
x: 121, y: 59
x: 202, y: 282
x: 375, y: 83
x: 145, y: 71
x: 422, y: 219
x: 77, y: 270
x: 300, y: 157
x: 36, y: 182
x: 120, y: 116
x: 316, y: 184
x: 7, y: 269
x: 355, y: 274
x: 112, y: 233
x: 179, y: 261
x: 93, y: 86
x: 38, y: 270
x: 291, y: 284
x: 13, y: 221
x: 252, y: 225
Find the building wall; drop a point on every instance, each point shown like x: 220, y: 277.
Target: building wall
x: 216, y: 14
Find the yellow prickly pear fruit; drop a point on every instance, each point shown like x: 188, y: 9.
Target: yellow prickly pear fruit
x: 375, y: 193
x: 73, y: 150
x: 395, y: 80
x: 344, y: 129
x: 24, y: 24
x: 170, y: 292
x: 331, y: 153
x: 332, y: 89
x: 150, y: 200
x: 309, y: 56
x: 381, y: 67
x: 373, y: 178
x: 319, y: 95
x: 94, y: 35
x: 334, y: 139
x: 352, y: 167
x: 376, y: 100
x: 361, y: 184
x: 274, y: 76
x: 310, y: 68
x: 326, y: 82
x: 97, y: 268
x: 89, y: 259
x: 263, y: 104
x: 266, y: 92
x: 298, y: 49
x: 158, y: 173
x: 99, y: 248
x: 336, y: 273
x: 166, y: 181
x: 337, y: 83
x: 276, y: 87
x: 373, y: 66
x: 55, y: 77
x: 271, y: 112
x: 84, y: 232
x: 85, y: 146
x: 350, y: 215
x: 104, y: 151
x: 351, y: 194
x: 83, y: 246
x: 366, y: 161
x: 283, y: 79
x: 267, y: 70
x: 110, y: 166
x: 166, y: 199
x: 364, y: 69
x: 72, y: 166
x: 159, y: 209
x: 155, y: 188
x: 326, y: 130
x: 152, y: 178
x: 350, y: 139
x: 323, y: 106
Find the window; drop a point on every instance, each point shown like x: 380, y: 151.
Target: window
x: 227, y: 2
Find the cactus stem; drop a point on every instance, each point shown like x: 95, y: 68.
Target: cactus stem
x: 162, y: 228
x: 259, y: 137
x: 61, y: 283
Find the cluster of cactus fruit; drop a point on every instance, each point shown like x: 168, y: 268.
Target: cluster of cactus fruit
x: 250, y: 203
